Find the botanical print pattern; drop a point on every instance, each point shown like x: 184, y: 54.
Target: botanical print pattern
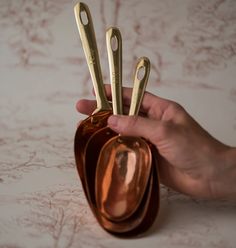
x: 43, y: 72
x: 28, y: 24
x: 208, y: 39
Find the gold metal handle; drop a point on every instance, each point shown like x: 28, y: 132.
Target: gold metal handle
x: 114, y: 50
x: 87, y: 35
x: 141, y: 76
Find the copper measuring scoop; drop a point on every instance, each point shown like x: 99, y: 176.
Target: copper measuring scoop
x: 145, y: 213
x: 100, y: 137
x: 99, y: 117
x: 124, y: 164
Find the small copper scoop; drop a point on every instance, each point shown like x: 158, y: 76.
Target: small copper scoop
x: 124, y: 164
x: 99, y: 117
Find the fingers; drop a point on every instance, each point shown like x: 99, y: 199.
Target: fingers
x: 134, y: 126
x: 152, y: 106
x: 85, y: 106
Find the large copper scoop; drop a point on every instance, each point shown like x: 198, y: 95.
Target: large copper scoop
x: 99, y: 117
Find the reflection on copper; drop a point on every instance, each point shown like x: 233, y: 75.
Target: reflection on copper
x: 123, y: 171
x: 84, y: 131
x: 146, y: 212
x: 91, y: 154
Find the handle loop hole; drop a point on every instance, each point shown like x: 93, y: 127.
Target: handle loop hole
x: 141, y: 73
x: 84, y: 17
x: 114, y: 43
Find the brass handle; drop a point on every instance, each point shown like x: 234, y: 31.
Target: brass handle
x: 87, y: 35
x: 114, y: 50
x: 141, y: 76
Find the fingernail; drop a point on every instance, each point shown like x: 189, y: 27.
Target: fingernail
x: 113, y: 120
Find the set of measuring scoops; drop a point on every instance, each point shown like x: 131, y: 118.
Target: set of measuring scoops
x: 118, y: 173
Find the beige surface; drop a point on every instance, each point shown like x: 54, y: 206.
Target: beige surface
x: 192, y: 47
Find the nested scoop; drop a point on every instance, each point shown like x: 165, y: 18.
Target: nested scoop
x: 99, y: 117
x: 93, y: 129
x: 99, y: 138
x: 124, y: 164
x: 145, y: 214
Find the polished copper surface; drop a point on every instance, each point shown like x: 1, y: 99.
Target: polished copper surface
x: 122, y: 177
x: 84, y: 131
x: 91, y: 154
x: 145, y: 214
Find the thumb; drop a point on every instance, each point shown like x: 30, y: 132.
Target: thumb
x: 134, y: 126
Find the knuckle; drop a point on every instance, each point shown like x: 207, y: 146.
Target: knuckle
x: 175, y: 112
x: 175, y: 107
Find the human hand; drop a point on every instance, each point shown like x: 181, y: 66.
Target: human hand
x: 191, y: 161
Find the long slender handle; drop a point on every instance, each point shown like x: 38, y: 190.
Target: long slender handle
x: 114, y: 50
x: 87, y: 35
x: 141, y: 76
